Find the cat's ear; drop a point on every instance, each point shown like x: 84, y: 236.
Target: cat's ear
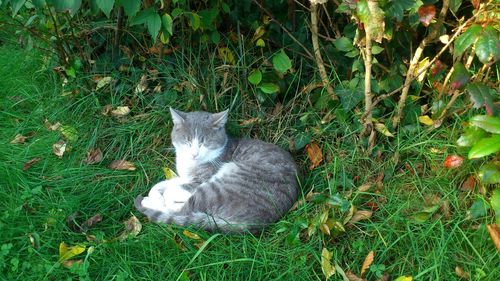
x: 177, y: 116
x: 220, y: 119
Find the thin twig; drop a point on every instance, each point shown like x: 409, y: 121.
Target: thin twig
x: 367, y: 121
x: 414, y: 62
x: 284, y: 28
x: 317, y: 51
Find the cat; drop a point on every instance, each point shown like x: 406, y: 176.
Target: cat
x: 223, y: 184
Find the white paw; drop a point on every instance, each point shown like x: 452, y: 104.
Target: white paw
x: 153, y: 203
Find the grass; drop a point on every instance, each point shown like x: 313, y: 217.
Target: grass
x: 35, y: 203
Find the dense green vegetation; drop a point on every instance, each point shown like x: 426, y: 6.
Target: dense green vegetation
x: 402, y: 177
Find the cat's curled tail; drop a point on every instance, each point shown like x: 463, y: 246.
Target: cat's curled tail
x: 197, y: 219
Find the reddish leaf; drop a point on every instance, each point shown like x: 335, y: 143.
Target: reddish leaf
x: 372, y: 205
x: 468, y: 184
x: 30, y: 163
x: 315, y: 155
x: 426, y: 13
x: 475, y: 3
x: 437, y: 67
x: 453, y: 161
x: 93, y: 156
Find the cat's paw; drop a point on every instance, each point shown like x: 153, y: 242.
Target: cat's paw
x: 153, y: 203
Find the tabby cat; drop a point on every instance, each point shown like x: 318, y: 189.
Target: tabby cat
x: 225, y: 184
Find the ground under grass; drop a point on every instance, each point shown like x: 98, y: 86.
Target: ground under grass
x: 36, y: 202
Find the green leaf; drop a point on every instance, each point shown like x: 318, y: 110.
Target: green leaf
x: 467, y: 38
x: 349, y: 98
x: 424, y: 215
x: 471, y: 136
x: 167, y: 23
x: 376, y: 49
x: 208, y: 18
x: 281, y: 61
x: 481, y: 95
x: 194, y: 21
x: 479, y: 208
x: 485, y: 147
x: 489, y: 174
x: 154, y: 25
x: 106, y: 6
x: 343, y: 44
x: 71, y: 6
x: 255, y: 77
x: 459, y: 77
x: 488, y: 123
x: 269, y: 88
x: 301, y: 140
x: 69, y: 132
x: 131, y: 7
x: 395, y: 9
x: 487, y: 45
x: 143, y: 16
x: 176, y: 12
x: 495, y: 204
x: 372, y: 16
x: 39, y: 4
x: 215, y: 36
x: 16, y: 6
x: 225, y: 8
x: 454, y: 5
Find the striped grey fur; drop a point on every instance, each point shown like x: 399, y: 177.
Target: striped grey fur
x: 260, y: 189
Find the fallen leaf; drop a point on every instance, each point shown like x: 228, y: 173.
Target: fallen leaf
x: 51, y: 127
x: 70, y: 263
x: 169, y: 173
x: 106, y: 109
x: 132, y: 228
x: 91, y: 222
x: 35, y: 240
x: 93, y: 156
x: 68, y: 132
x: 372, y: 205
x: 120, y: 111
x: 250, y: 121
x: 101, y: 82
x: 424, y: 215
x: 381, y: 128
x: 191, y: 235
x: 426, y: 13
x: 59, y: 148
x: 426, y: 120
x: 30, y: 163
x: 67, y: 252
x: 326, y: 266
x: 360, y: 215
x: 353, y: 277
x: 404, y: 278
x: 437, y: 150
x: 315, y: 155
x: 122, y: 165
x: 143, y: 84
x: 469, y: 184
x: 365, y: 187
x: 494, y: 232
x: 453, y: 161
x: 368, y: 261
x: 461, y: 273
x: 18, y: 139
x: 445, y: 209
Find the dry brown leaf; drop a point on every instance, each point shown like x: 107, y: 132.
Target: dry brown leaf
x: 250, y: 121
x: 106, y: 109
x: 91, y: 222
x: 368, y: 261
x: 70, y: 263
x: 461, y: 273
x: 18, y: 139
x: 122, y: 165
x: 52, y: 127
x: 30, y: 163
x: 59, y: 148
x: 469, y: 184
x: 93, y: 156
x: 132, y: 228
x: 120, y: 111
x: 494, y: 232
x: 102, y: 81
x: 365, y: 187
x: 360, y: 215
x: 157, y: 89
x: 353, y: 277
x: 143, y: 84
x: 315, y: 155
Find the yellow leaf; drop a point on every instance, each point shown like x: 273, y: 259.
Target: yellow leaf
x: 366, y: 264
x: 420, y: 66
x: 258, y: 33
x: 67, y: 252
x: 326, y: 266
x: 120, y: 111
x: 260, y: 43
x: 226, y: 55
x: 191, y: 235
x: 381, y: 128
x: 426, y: 120
x: 404, y: 278
x: 103, y: 82
x: 169, y: 173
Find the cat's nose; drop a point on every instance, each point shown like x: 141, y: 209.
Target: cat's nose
x: 195, y: 154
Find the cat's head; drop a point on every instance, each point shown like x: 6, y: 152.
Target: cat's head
x: 198, y: 136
